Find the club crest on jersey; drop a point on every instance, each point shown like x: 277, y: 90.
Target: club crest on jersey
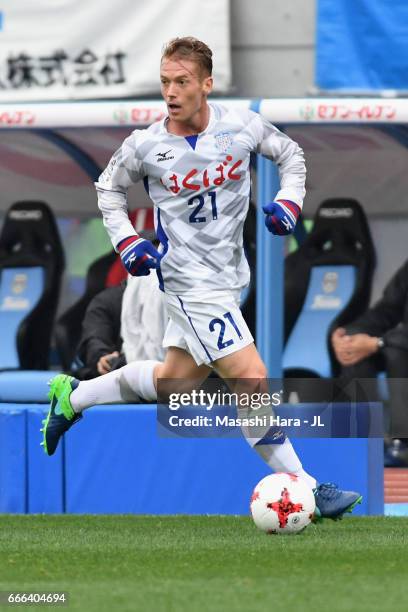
x: 223, y: 141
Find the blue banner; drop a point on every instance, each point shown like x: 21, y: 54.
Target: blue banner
x: 362, y: 45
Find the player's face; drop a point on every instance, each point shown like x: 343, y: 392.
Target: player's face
x: 184, y: 89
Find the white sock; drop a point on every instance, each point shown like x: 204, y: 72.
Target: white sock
x: 283, y: 458
x: 132, y: 383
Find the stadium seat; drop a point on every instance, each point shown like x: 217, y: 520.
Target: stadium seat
x: 327, y: 284
x: 68, y: 325
x: 31, y: 267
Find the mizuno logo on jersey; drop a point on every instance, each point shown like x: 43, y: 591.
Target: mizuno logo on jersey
x: 163, y: 156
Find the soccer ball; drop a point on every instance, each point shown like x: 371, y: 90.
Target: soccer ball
x: 282, y: 503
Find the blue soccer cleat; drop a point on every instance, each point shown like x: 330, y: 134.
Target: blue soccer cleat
x: 332, y: 502
x: 61, y: 415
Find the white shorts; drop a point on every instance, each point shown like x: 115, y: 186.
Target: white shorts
x: 208, y: 329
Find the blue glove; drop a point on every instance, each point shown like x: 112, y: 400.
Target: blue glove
x: 138, y: 255
x: 281, y: 217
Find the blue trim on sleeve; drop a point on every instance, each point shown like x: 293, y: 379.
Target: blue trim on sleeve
x: 192, y: 141
x: 194, y: 329
x: 161, y: 235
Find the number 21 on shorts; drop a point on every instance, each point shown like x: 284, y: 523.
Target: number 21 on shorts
x: 219, y: 325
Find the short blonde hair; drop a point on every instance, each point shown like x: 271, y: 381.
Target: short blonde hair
x: 190, y: 48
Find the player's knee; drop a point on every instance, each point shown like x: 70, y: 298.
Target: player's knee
x: 258, y: 372
x: 252, y: 380
x: 254, y: 372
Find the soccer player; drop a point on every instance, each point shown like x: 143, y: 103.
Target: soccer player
x: 196, y: 166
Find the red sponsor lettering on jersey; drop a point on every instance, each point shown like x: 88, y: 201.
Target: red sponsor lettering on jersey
x: 193, y: 181
x: 206, y: 180
x: 284, y: 507
x: 220, y: 178
x: 186, y: 181
x: 175, y: 187
x: 231, y: 175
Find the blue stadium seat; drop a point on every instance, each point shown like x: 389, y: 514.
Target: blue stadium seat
x: 31, y: 266
x: 330, y: 291
x: 327, y: 284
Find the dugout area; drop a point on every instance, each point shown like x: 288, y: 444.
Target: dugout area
x: 354, y: 148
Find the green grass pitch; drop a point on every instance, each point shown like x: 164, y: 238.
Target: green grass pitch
x: 205, y: 563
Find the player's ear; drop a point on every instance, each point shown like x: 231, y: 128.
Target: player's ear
x: 208, y: 85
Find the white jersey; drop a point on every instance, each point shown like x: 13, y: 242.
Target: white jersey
x: 200, y: 189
